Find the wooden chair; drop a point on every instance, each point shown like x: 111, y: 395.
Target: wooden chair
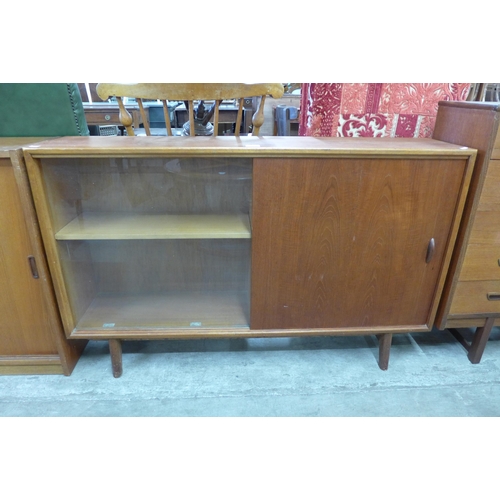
x: 189, y: 93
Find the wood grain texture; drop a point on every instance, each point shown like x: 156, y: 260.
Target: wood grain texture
x: 481, y: 263
x: 479, y: 341
x: 115, y: 349
x: 369, y: 206
x: 69, y: 351
x: 49, y: 222
x: 471, y: 299
x: 489, y: 199
x: 166, y: 311
x: 342, y: 243
x: 471, y: 322
x: 8, y: 144
x: 486, y: 228
x: 31, y: 338
x: 242, y: 147
x: 25, y: 323
x: 30, y: 368
x: 475, y: 125
x: 234, y: 332
x: 384, y: 350
x: 189, y: 93
x: 113, y: 226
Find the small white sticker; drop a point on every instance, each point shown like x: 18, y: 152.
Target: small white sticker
x: 195, y: 323
x: 108, y: 325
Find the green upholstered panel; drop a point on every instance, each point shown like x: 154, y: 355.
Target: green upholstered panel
x: 41, y: 110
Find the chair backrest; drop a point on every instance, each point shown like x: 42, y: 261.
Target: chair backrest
x: 189, y: 93
x: 41, y: 110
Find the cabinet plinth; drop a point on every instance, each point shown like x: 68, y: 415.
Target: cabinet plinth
x: 248, y: 236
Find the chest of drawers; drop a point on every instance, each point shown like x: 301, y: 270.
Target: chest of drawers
x: 472, y: 292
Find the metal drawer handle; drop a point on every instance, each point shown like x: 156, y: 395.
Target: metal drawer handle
x: 430, y: 250
x: 493, y: 296
x: 33, y: 268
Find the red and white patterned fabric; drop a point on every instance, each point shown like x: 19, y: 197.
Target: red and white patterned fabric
x: 374, y: 109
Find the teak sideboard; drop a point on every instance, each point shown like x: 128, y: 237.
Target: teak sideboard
x: 167, y: 237
x: 32, y: 340
x: 471, y: 296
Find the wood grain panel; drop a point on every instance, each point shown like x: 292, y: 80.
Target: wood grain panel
x: 52, y: 217
x: 490, y: 195
x: 481, y: 263
x: 242, y: 147
x: 486, y: 229
x: 473, y: 125
x: 471, y: 298
x: 113, y: 226
x: 167, y: 311
x: 453, y: 322
x: 343, y: 242
x: 22, y: 306
x: 69, y: 352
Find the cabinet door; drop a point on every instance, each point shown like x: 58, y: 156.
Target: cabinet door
x: 24, y: 320
x: 346, y: 243
x: 151, y: 244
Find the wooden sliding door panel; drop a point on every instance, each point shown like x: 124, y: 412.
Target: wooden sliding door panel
x: 25, y: 324
x: 345, y: 242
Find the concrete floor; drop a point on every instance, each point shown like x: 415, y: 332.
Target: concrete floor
x: 429, y: 375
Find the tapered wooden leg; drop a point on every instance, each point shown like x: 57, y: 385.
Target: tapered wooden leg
x: 115, y: 349
x: 384, y: 350
x: 479, y: 341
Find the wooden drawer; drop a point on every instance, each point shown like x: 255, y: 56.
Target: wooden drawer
x: 476, y: 298
x: 490, y: 196
x: 486, y: 229
x: 481, y: 263
x: 102, y: 117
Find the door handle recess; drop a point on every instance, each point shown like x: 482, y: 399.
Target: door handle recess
x: 493, y: 296
x: 430, y: 250
x: 33, y: 268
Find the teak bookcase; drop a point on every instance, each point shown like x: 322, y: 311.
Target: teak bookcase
x: 154, y: 237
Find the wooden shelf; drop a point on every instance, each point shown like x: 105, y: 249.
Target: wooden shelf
x: 189, y: 310
x: 114, y: 226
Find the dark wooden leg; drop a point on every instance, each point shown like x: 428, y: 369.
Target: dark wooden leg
x: 384, y: 350
x: 479, y: 341
x: 475, y: 348
x: 115, y: 349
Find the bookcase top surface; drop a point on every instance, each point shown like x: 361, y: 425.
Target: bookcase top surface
x: 9, y: 143
x: 248, y: 146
